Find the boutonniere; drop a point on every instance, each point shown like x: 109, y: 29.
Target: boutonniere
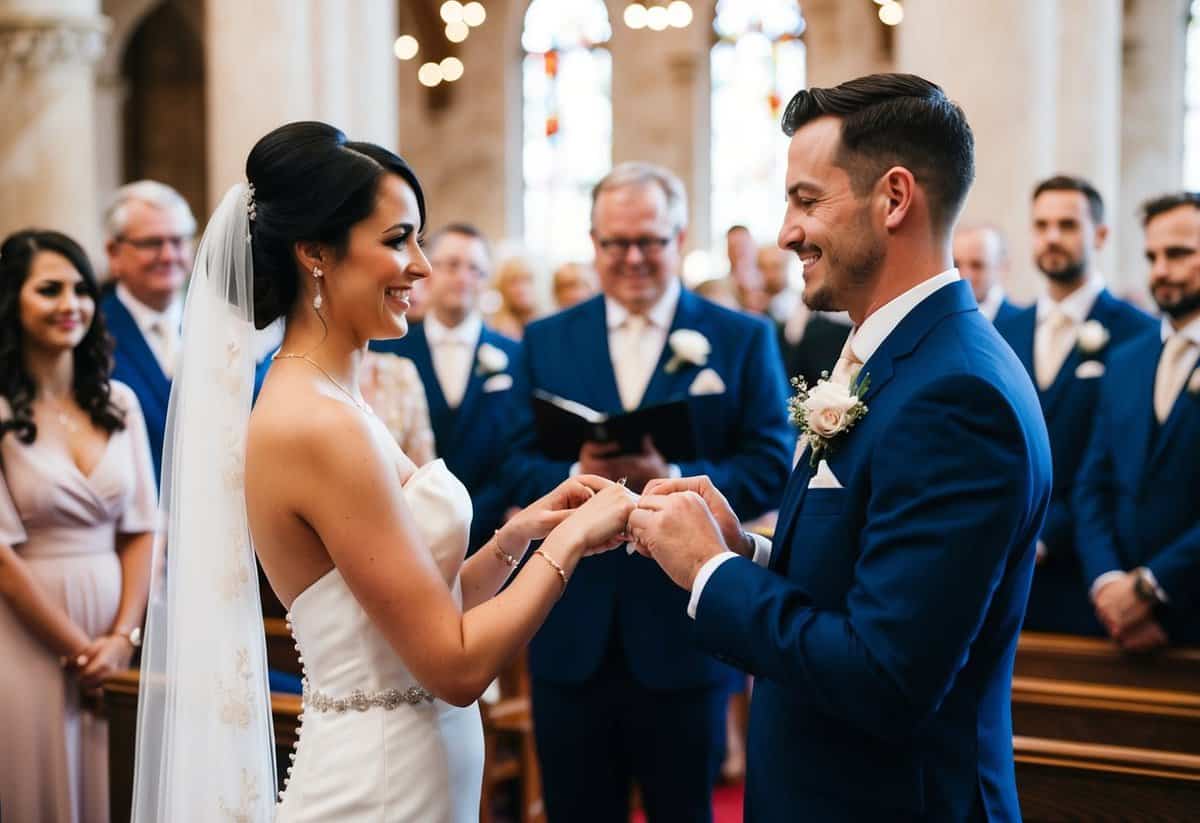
x: 687, y: 346
x: 826, y: 411
x: 490, y: 360
x: 1194, y: 382
x: 1092, y: 337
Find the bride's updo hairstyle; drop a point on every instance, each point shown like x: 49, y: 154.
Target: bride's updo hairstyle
x: 310, y: 184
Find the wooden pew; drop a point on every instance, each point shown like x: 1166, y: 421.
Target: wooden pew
x: 1097, y: 660
x: 1114, y: 715
x: 120, y: 705
x: 1064, y: 782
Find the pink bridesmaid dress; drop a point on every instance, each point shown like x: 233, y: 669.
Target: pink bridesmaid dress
x: 64, y: 525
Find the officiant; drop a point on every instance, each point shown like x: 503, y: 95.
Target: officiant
x: 615, y: 664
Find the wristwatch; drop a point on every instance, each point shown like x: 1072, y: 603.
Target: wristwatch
x: 1143, y: 586
x: 134, y: 636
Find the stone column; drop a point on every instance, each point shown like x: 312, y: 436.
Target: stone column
x: 47, y: 149
x: 844, y: 41
x: 1151, y: 130
x: 997, y: 60
x: 1089, y: 108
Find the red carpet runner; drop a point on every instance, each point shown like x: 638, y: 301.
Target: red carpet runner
x: 727, y: 805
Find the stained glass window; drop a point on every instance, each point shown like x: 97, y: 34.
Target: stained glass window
x: 567, y: 94
x: 758, y: 63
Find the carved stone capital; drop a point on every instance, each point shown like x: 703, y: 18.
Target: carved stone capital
x: 38, y: 43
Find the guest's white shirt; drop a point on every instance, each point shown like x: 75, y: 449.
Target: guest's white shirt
x: 452, y: 350
x: 1077, y: 305
x: 1191, y: 332
x: 159, y: 328
x: 634, y: 361
x: 864, y: 341
x: 992, y: 301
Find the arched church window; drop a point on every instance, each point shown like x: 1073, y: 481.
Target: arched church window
x: 757, y: 64
x: 1191, y: 117
x: 567, y: 98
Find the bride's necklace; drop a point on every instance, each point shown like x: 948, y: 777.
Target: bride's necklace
x: 362, y: 406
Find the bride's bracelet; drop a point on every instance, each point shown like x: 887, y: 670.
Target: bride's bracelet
x: 504, y: 556
x: 562, y: 574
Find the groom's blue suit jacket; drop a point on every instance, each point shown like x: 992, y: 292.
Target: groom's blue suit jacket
x: 883, y: 635
x: 744, y: 445
x: 1058, y: 601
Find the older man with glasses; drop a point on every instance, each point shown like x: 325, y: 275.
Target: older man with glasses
x: 621, y: 694
x: 150, y: 230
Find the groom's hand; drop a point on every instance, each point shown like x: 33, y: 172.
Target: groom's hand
x: 678, y: 531
x: 736, y: 540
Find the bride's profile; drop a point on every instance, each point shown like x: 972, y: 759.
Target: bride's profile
x: 398, y: 634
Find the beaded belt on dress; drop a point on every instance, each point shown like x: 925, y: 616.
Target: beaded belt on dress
x: 360, y: 701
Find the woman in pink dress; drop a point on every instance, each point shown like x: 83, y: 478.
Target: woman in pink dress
x: 77, y: 514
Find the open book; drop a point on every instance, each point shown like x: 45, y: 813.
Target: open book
x: 563, y: 426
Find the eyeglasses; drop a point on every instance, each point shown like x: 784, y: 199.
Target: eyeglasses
x: 449, y: 264
x: 618, y: 247
x: 154, y: 244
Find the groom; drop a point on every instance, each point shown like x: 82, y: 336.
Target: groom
x: 881, y: 623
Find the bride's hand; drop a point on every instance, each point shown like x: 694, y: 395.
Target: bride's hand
x: 539, y: 518
x: 599, y: 524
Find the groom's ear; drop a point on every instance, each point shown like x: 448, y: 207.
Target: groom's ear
x: 898, y: 188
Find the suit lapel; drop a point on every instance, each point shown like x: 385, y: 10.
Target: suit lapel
x: 664, y: 386
x: 588, y: 356
x: 440, y: 414
x: 1024, y: 328
x: 137, y: 351
x: 789, y: 510
x: 474, y: 387
x: 1168, y: 432
x: 1101, y: 312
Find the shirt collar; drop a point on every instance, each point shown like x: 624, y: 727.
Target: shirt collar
x: 1077, y: 305
x: 467, y: 332
x: 990, y: 304
x: 869, y: 336
x: 660, y: 315
x: 147, y: 317
x: 1191, y: 331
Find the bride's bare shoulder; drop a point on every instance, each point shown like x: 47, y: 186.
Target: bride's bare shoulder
x: 308, y: 425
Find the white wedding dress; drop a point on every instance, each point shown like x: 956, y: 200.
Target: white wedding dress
x: 374, y: 745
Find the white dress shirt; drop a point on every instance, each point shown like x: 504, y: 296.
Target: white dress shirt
x: 992, y: 301
x: 1192, y: 332
x: 636, y: 351
x: 864, y: 341
x: 453, y: 350
x: 159, y: 328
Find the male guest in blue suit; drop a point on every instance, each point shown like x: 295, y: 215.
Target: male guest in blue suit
x: 1138, y: 498
x: 882, y: 623
x: 621, y: 693
x: 981, y: 257
x: 150, y: 230
x: 1064, y: 341
x: 464, y: 366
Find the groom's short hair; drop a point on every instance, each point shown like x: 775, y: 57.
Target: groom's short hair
x: 896, y: 120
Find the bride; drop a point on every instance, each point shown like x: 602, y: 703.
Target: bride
x: 398, y: 635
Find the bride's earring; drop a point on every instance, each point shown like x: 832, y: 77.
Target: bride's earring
x: 318, y: 300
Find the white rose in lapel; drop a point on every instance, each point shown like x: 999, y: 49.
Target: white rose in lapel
x: 1092, y: 337
x: 687, y: 346
x: 828, y: 406
x: 826, y: 411
x: 491, y: 360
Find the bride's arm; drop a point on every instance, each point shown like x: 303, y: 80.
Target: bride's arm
x: 371, y: 536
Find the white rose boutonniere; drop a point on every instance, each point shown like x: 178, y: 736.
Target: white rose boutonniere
x: 1092, y: 337
x: 826, y: 411
x: 1194, y: 382
x: 490, y: 360
x: 687, y: 346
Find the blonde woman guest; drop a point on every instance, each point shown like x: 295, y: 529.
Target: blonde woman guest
x: 392, y: 387
x: 573, y: 283
x: 77, y: 513
x: 518, y: 306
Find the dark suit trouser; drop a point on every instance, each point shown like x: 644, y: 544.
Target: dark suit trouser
x: 598, y: 738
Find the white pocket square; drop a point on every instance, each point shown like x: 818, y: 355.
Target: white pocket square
x: 1089, y: 369
x: 497, y: 382
x: 824, y: 478
x: 707, y: 382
